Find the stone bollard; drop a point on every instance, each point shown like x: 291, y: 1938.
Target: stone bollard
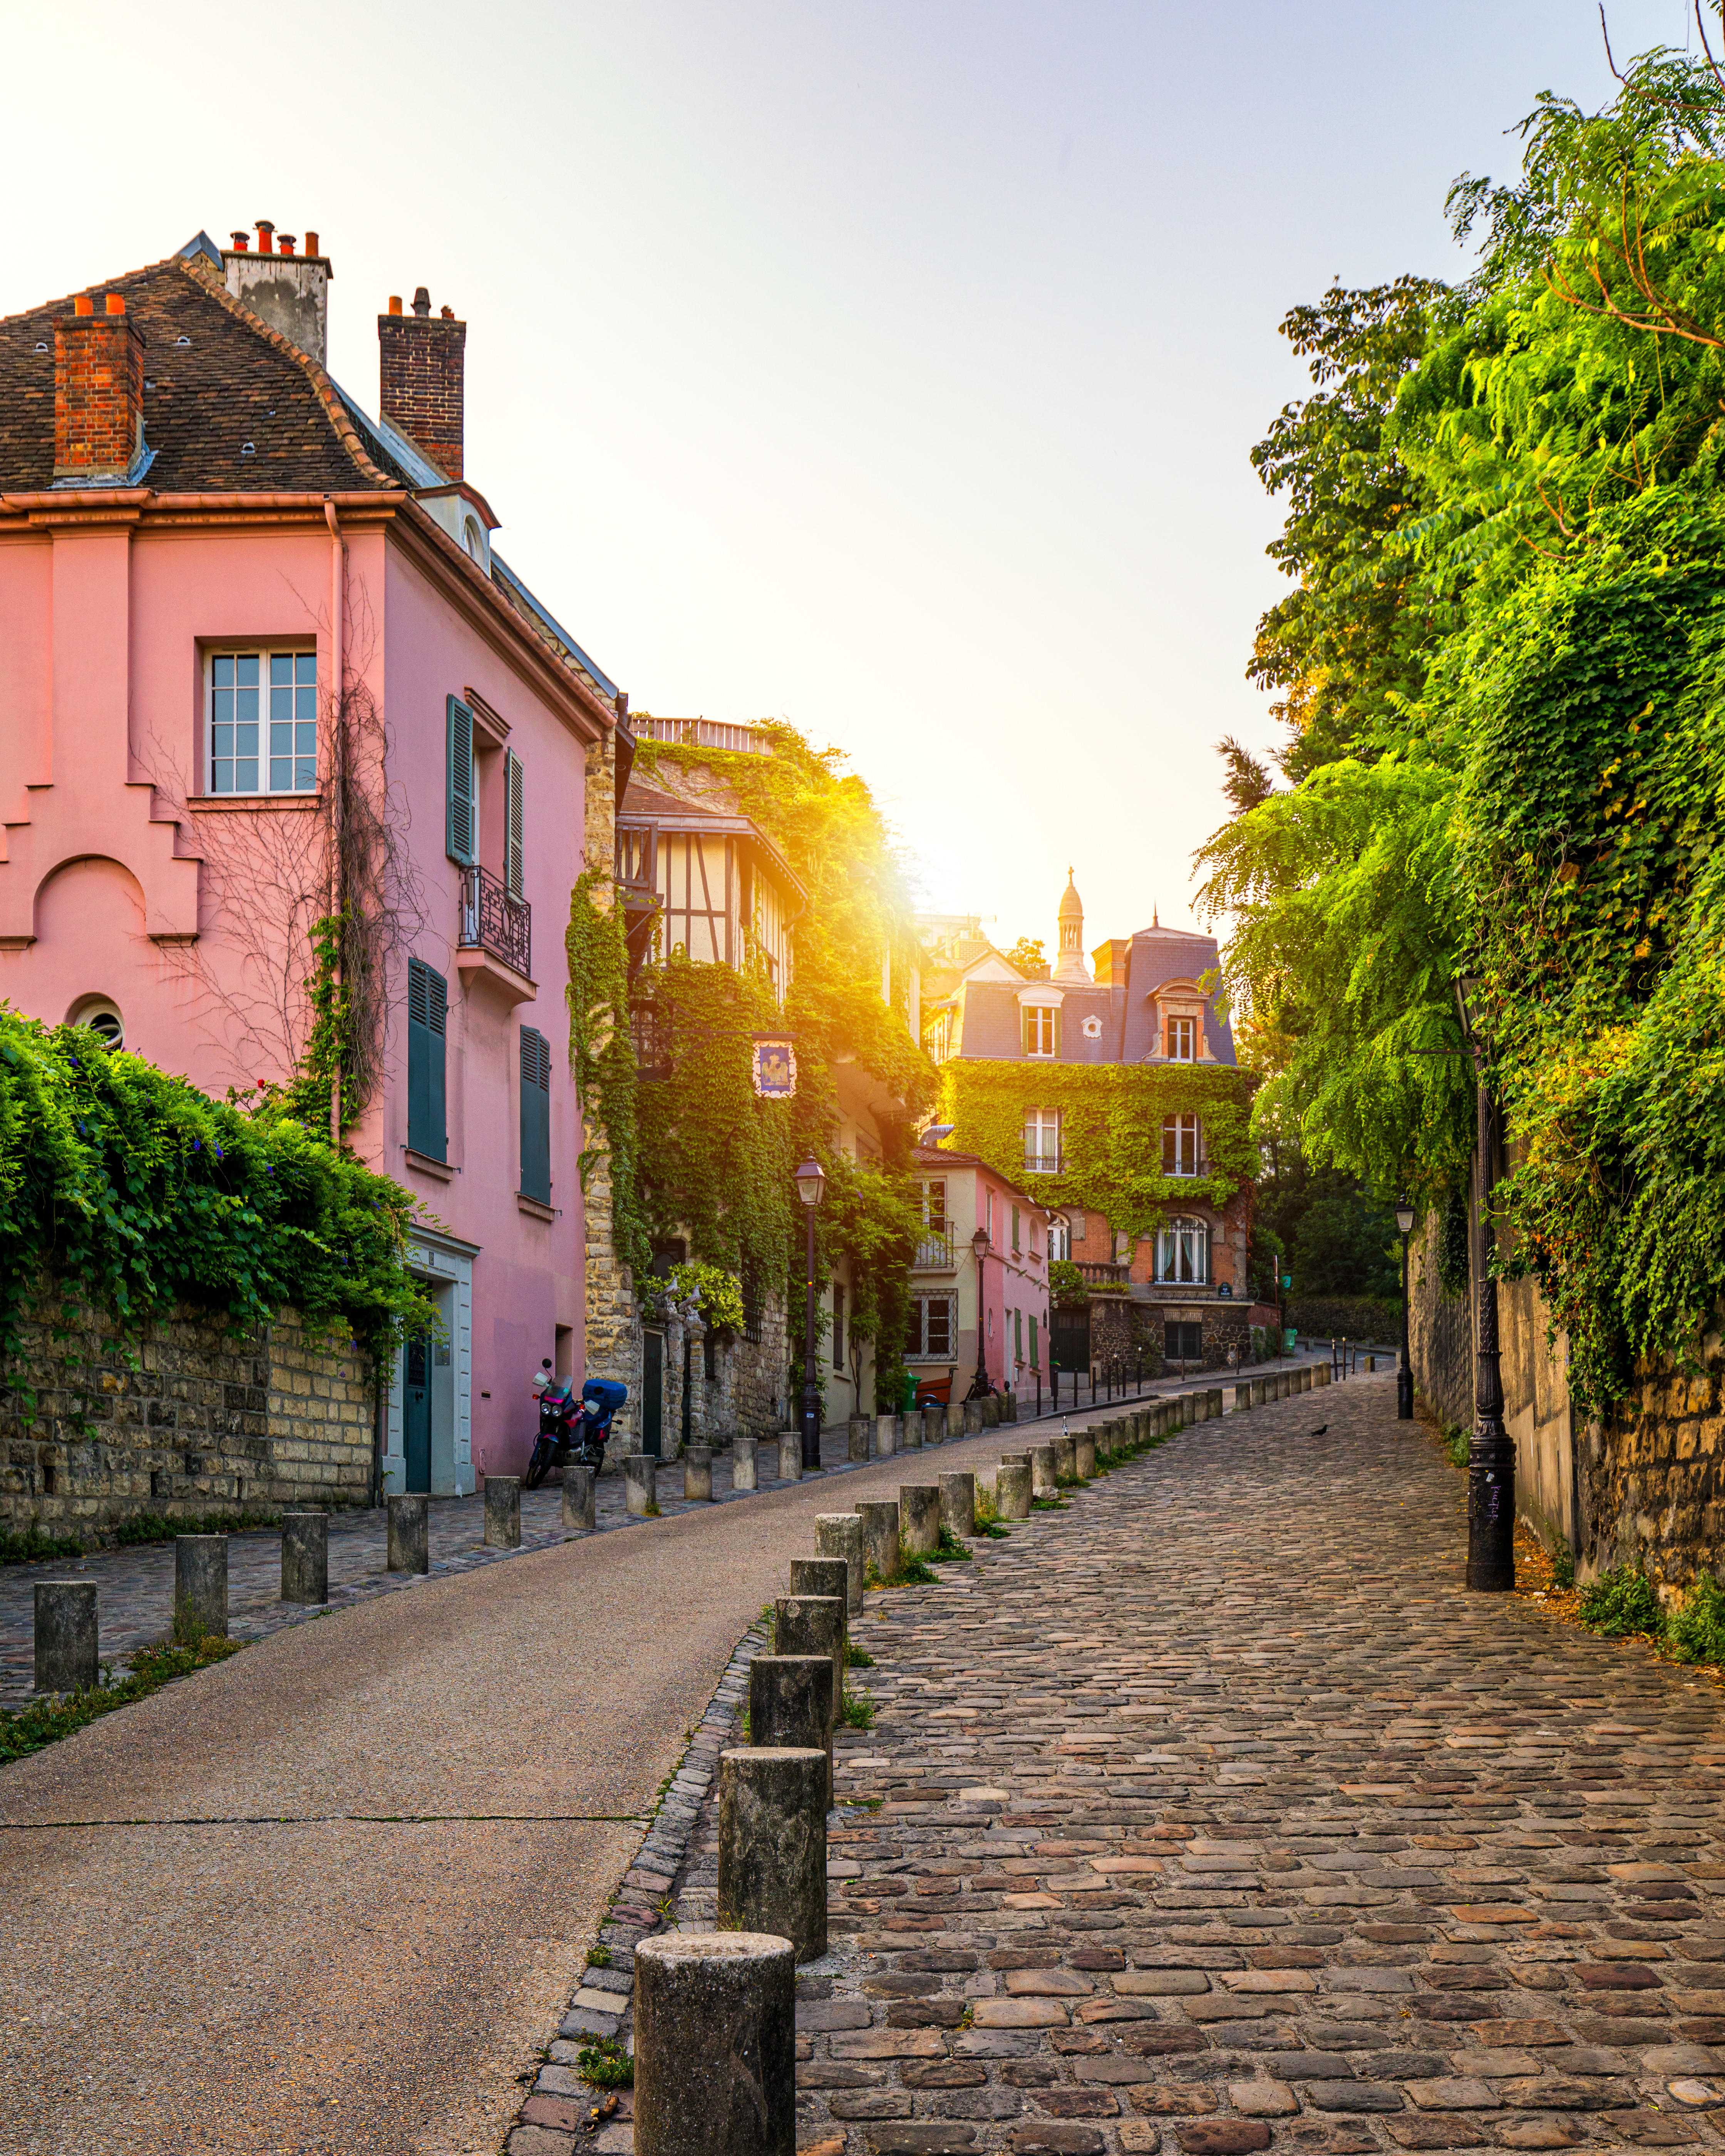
x: 1371, y: 1366
x: 934, y: 1424
x: 1321, y: 1374
x: 1012, y: 1486
x: 856, y: 1449
x: 1242, y: 1397
x: 698, y: 1474
x: 640, y: 1482
x: 409, y: 1534
x: 910, y: 1432
x: 791, y: 1705
x: 988, y: 1485
x: 886, y: 1436
x: 66, y: 1635
x: 716, y: 2044
x: 880, y: 1528
x: 201, y: 1587
x: 773, y: 1845
x: 744, y: 1471
x: 815, y: 1624
x: 1042, y: 1471
x: 919, y: 1518
x: 991, y: 1413
x: 790, y: 1455
x: 1256, y: 1389
x: 955, y: 1425
x: 958, y: 1503
x: 1065, y: 1453
x: 1305, y: 1377
x: 305, y: 1557
x: 840, y: 1535
x: 970, y: 1417
x: 580, y: 1510
x: 1008, y: 1407
x: 1083, y: 1450
x: 503, y: 1511
x: 1216, y: 1399
x: 823, y: 1578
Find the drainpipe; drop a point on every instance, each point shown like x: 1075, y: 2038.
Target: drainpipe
x: 337, y: 893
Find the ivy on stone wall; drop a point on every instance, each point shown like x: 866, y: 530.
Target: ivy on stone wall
x: 131, y: 1190
x: 602, y: 1061
x: 1111, y: 1117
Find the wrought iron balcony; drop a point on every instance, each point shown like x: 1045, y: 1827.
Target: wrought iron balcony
x: 494, y: 920
x: 934, y: 1251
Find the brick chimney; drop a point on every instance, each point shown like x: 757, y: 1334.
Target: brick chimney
x: 98, y: 394
x: 420, y: 368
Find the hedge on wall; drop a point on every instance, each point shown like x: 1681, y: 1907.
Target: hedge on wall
x: 131, y: 1190
x: 1112, y: 1118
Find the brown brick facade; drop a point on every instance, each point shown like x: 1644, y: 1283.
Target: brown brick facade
x: 422, y: 363
x: 98, y: 395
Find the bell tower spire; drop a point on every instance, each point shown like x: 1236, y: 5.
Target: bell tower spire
x: 1070, y: 966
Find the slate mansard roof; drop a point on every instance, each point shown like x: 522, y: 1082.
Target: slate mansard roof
x: 992, y: 1029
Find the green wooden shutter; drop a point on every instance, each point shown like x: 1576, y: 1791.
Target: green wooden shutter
x: 536, y: 1115
x: 428, y: 1023
x: 512, y: 822
x: 462, y: 838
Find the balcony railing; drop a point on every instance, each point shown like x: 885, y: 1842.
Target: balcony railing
x: 1041, y: 1163
x: 934, y: 1251
x: 1100, y: 1275
x: 493, y: 919
x: 699, y: 733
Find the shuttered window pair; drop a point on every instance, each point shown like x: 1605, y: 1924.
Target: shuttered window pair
x: 462, y: 790
x: 536, y: 1115
x: 428, y: 1029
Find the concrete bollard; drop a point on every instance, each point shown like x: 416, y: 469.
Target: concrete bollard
x: 955, y: 1425
x: 911, y: 1432
x: 1084, y: 1451
x: 791, y: 1705
x: 1257, y: 1391
x: 1305, y: 1377
x: 698, y: 1474
x: 958, y: 1503
x: 823, y: 1578
x: 970, y: 1417
x: 1008, y: 1407
x: 814, y: 1625
x: 919, y: 1518
x: 879, y: 1530
x: 856, y: 1449
x: 1242, y: 1397
x: 201, y: 1587
x: 580, y: 1505
x: 1042, y: 1470
x: 886, y: 1436
x: 744, y: 1469
x: 1012, y: 1486
x: 1217, y: 1400
x: 503, y: 1511
x: 1321, y: 1374
x: 988, y: 1485
x: 840, y: 1535
x: 716, y: 2044
x: 66, y: 1659
x: 409, y: 1537
x: 1065, y: 1453
x: 773, y: 1845
x: 1371, y: 1366
x: 790, y: 1455
x: 306, y: 1557
x: 640, y: 1482
x: 991, y: 1413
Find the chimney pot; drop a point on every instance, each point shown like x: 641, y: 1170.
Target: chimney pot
x: 242, y: 241
x: 421, y: 301
x: 266, y: 229
x: 116, y: 303
x: 285, y: 243
x: 446, y: 313
x: 311, y: 247
x: 82, y: 305
x: 395, y: 303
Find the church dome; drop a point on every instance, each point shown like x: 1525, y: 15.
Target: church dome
x: 1071, y: 905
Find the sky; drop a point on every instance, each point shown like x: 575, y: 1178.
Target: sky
x: 889, y: 367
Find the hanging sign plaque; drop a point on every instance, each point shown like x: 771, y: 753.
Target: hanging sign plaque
x: 775, y: 1067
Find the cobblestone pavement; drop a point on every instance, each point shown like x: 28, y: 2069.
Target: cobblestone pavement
x: 135, y: 1585
x: 1212, y: 1815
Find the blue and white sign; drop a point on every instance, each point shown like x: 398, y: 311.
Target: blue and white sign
x: 775, y: 1067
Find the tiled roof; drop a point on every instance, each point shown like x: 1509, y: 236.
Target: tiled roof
x: 993, y: 1030
x: 229, y: 407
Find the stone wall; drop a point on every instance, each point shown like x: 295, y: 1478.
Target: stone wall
x: 751, y: 1390
x: 182, y: 1420
x: 1439, y: 1332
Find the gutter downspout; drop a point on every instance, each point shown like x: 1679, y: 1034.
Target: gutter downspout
x: 338, y: 775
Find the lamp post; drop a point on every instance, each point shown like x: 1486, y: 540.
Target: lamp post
x: 1404, y: 1374
x: 979, y: 1384
x: 811, y: 1188
x: 1491, y: 1452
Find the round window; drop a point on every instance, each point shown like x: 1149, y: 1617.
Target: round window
x: 1092, y: 1029
x: 103, y: 1019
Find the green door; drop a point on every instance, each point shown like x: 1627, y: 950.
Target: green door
x: 416, y: 1414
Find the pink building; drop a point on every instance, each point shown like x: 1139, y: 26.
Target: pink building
x: 976, y: 1223
x: 261, y: 661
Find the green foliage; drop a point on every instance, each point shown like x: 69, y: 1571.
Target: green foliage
x: 1456, y: 1445
x: 599, y: 1956
x: 1028, y: 955
x: 1346, y: 1317
x: 132, y: 1191
x: 1111, y: 1142
x: 856, y: 1657
x: 33, y: 1544
x: 602, y: 2062
x: 856, y: 1709
x: 720, y: 1294
x: 1337, y: 1240
x: 44, y: 1722
x: 1695, y: 1632
x: 949, y: 1550
x: 1563, y: 1569
x: 1455, y: 1254
x: 1067, y: 1285
x: 602, y: 1060
x: 1620, y: 1602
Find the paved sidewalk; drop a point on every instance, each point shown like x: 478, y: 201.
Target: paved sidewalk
x: 1213, y: 1816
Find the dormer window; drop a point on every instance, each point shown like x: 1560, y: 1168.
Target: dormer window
x: 1182, y: 1039
x: 1042, y: 1030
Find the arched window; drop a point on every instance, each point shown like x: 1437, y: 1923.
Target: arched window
x: 1182, y: 1251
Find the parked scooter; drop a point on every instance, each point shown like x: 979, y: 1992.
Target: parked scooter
x: 572, y: 1432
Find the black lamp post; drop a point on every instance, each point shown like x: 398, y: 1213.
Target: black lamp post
x: 811, y: 1188
x: 1491, y: 1452
x: 979, y: 1384
x: 1404, y: 1374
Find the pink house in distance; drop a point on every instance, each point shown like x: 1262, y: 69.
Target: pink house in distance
x: 961, y: 1195
x: 222, y: 588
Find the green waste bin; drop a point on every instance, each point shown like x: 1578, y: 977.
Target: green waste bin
x: 1290, y: 1343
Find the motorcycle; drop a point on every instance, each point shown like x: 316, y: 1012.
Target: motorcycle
x: 572, y: 1432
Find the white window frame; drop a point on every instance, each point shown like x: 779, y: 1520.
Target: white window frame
x: 1182, y: 1252
x: 923, y: 1353
x: 1042, y: 1023
x: 1060, y: 1242
x: 1045, y: 1122
x: 1182, y: 1039
x: 1187, y: 1133
x: 295, y: 653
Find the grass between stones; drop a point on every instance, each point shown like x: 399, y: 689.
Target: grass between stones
x: 32, y: 1545
x: 857, y: 1710
x: 856, y: 1657
x: 44, y: 1722
x: 604, y: 2064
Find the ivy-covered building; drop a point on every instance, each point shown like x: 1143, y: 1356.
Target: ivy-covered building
x: 1108, y: 1086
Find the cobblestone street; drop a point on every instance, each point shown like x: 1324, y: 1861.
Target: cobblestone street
x: 1211, y: 1814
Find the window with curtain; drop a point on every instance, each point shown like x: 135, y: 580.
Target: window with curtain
x: 1182, y: 1252
x: 1180, y: 1137
x: 1182, y: 1039
x: 1042, y: 1030
x: 1042, y: 1141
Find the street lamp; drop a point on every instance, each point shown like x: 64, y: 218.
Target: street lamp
x: 1490, y: 1451
x: 979, y: 1384
x: 1404, y: 1374
x: 811, y: 1188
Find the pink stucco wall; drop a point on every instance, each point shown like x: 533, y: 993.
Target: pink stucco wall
x: 110, y: 885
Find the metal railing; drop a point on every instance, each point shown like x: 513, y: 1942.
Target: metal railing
x: 699, y: 733
x: 493, y: 919
x: 934, y: 1251
x: 1041, y: 1163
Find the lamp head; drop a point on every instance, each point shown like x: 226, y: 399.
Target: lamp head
x: 979, y: 1244
x: 1405, y: 1216
x: 811, y: 1181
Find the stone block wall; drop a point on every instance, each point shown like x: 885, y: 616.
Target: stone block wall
x: 1439, y: 1332
x: 1652, y: 1480
x: 182, y: 1420
x: 751, y: 1391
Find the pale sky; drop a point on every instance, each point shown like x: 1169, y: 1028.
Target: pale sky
x: 888, y: 367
